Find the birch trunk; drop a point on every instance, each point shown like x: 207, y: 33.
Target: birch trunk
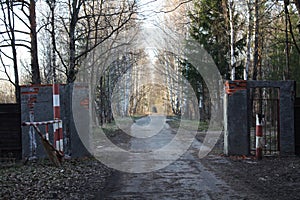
x: 232, y: 58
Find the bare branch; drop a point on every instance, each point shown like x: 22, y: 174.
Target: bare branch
x: 16, y: 31
x: 121, y: 25
x: 22, y: 3
x: 18, y: 45
x: 5, y: 71
x: 175, y: 8
x: 292, y: 32
x: 22, y: 20
x: 7, y: 56
x: 17, y: 40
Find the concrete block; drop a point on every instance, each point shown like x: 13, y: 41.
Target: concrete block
x: 236, y: 138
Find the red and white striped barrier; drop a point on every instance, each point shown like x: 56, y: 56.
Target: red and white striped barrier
x: 259, y: 137
x: 56, y: 123
x: 57, y: 128
x: 42, y: 123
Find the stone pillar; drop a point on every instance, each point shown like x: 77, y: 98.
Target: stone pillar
x: 236, y: 137
x: 287, y: 132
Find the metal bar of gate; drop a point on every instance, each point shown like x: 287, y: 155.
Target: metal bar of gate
x: 272, y: 126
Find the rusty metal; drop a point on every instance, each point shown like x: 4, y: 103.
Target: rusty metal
x: 234, y: 86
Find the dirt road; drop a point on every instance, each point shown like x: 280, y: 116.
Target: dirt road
x: 213, y: 177
x: 186, y: 178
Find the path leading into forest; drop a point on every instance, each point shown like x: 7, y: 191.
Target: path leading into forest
x: 186, y: 178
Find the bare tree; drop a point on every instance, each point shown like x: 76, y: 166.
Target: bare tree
x: 8, y: 21
x: 52, y: 5
x: 287, y: 45
x: 249, y: 36
x: 88, y: 25
x: 28, y: 9
x: 36, y: 77
x: 232, y: 38
x: 24, y: 13
x: 256, y: 40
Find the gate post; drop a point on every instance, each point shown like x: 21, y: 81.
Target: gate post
x: 259, y: 136
x: 236, y: 138
x: 58, y: 135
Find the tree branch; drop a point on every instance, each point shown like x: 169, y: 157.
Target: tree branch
x: 104, y: 38
x: 18, y: 45
x: 5, y: 71
x: 292, y: 32
x: 175, y: 8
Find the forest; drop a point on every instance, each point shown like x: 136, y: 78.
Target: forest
x: 51, y: 41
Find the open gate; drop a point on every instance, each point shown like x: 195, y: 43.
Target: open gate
x: 265, y: 101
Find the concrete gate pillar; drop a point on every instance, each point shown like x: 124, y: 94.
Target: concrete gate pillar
x: 237, y: 114
x: 236, y: 137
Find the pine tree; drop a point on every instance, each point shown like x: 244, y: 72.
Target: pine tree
x: 210, y: 27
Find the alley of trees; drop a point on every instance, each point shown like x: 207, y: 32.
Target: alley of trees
x: 247, y: 39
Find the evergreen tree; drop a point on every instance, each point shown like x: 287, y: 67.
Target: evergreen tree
x: 210, y: 27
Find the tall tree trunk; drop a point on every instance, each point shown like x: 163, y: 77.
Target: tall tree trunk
x: 287, y: 51
x: 71, y: 74
x: 256, y: 41
x: 36, y: 78
x: 232, y: 59
x: 53, y: 40
x: 225, y: 12
x: 249, y: 36
x: 102, y: 100
x: 10, y: 27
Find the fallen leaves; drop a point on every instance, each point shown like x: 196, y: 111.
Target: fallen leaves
x: 76, y: 179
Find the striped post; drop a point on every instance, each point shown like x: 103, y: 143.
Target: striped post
x: 57, y: 127
x: 259, y: 137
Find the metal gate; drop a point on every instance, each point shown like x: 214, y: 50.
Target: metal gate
x: 265, y: 101
x: 10, y: 131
